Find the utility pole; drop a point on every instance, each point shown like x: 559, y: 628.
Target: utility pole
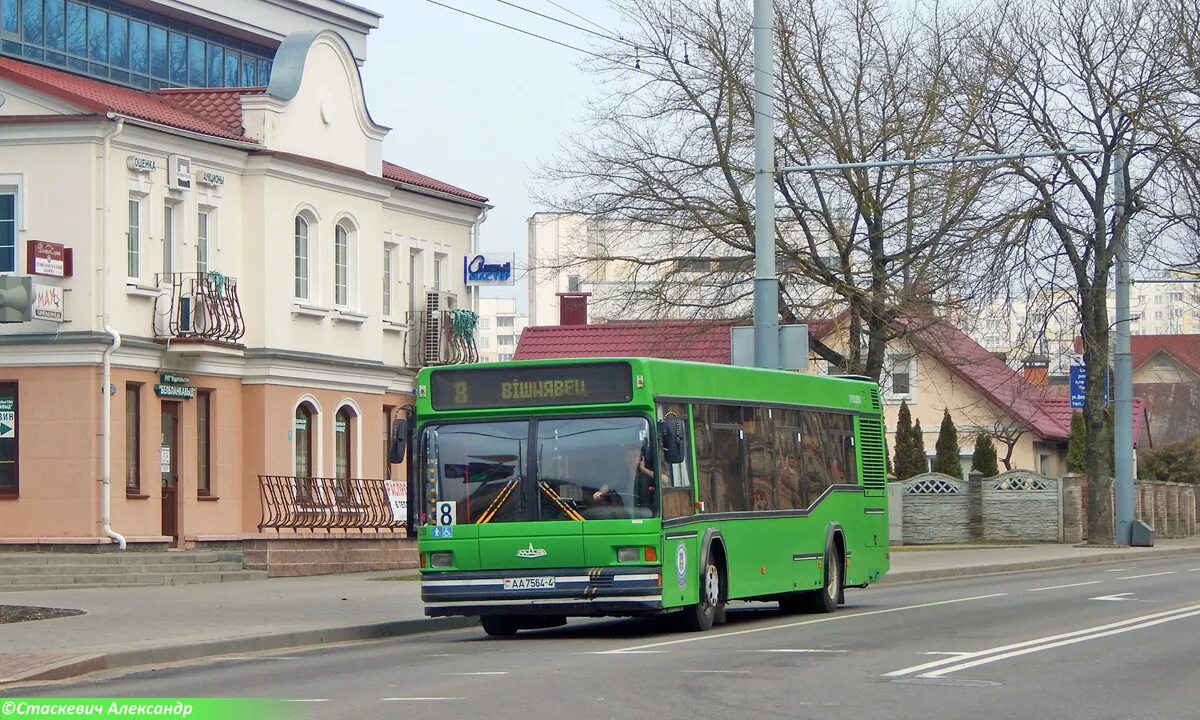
x: 1122, y: 368
x: 766, y: 285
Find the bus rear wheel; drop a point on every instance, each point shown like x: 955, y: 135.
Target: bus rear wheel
x: 701, y: 616
x: 499, y: 625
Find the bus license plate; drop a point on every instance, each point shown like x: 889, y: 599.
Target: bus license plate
x: 529, y: 583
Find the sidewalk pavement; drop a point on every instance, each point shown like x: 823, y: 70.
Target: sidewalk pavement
x: 123, y: 627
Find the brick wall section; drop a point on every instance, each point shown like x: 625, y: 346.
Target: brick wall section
x: 1072, y: 509
x: 296, y: 556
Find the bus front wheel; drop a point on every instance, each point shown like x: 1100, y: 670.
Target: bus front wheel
x: 499, y: 625
x: 826, y: 599
x: 700, y: 617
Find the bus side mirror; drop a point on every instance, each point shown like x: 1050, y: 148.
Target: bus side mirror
x: 674, y: 443
x: 399, y: 441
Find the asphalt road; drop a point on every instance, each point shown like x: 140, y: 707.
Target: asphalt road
x: 1092, y: 642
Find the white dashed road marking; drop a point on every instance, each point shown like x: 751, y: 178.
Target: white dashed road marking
x: 1060, y: 587
x: 1135, y: 577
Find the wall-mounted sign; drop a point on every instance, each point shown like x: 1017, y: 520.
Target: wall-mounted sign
x: 179, y: 172
x: 211, y: 179
x: 137, y: 163
x: 8, y: 418
x: 48, y: 303
x: 47, y: 258
x: 175, y: 386
x: 489, y: 269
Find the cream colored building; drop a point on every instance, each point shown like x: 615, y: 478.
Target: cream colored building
x: 252, y: 282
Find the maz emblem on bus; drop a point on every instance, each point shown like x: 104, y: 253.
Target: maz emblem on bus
x: 531, y: 552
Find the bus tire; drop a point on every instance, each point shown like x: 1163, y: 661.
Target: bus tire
x: 826, y: 599
x: 499, y: 625
x: 701, y: 616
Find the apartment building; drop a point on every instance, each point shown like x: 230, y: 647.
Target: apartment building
x: 499, y: 328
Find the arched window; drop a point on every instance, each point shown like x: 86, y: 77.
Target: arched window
x: 343, y: 449
x: 341, y: 265
x: 303, y: 445
x: 301, y: 256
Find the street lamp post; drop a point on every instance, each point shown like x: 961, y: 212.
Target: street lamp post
x: 766, y: 285
x: 1122, y: 370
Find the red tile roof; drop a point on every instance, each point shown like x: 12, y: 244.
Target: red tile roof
x: 392, y: 171
x: 222, y: 106
x: 1046, y: 414
x: 673, y: 339
x: 1185, y: 349
x: 216, y: 112
x: 101, y: 97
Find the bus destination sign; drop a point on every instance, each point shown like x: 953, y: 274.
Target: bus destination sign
x: 531, y: 386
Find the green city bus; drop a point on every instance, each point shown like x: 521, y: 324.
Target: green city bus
x: 548, y: 489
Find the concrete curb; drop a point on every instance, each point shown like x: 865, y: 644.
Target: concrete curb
x: 232, y: 646
x: 1116, y: 556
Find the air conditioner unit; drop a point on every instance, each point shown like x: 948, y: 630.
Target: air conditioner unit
x: 179, y: 172
x: 433, y: 342
x: 436, y: 301
x: 193, y: 316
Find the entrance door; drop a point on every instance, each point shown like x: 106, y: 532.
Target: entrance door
x: 169, y: 463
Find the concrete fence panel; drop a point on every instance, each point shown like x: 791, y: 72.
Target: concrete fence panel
x: 1021, y: 505
x: 936, y: 510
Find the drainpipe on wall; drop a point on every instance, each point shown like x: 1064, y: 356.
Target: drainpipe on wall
x: 475, y: 251
x: 105, y: 393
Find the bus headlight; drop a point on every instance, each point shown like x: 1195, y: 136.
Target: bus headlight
x: 441, y: 559
x: 629, y: 554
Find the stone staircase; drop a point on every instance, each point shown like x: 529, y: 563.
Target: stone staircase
x: 62, y: 571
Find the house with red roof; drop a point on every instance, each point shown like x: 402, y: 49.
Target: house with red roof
x: 935, y: 367
x: 196, y: 216
x: 1166, y: 376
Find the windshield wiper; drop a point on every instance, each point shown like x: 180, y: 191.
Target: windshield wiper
x: 498, y: 501
x: 560, y: 501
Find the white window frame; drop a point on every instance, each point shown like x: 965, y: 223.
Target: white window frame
x: 900, y: 361
x: 341, y: 264
x: 204, y: 238
x: 439, y: 265
x: 170, y: 225
x: 133, y: 240
x: 302, y: 277
x: 389, y: 256
x: 14, y: 191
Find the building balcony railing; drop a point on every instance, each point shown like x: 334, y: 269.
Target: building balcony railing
x: 298, y: 503
x: 199, y: 306
x: 439, y: 337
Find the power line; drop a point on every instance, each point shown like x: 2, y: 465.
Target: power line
x: 572, y: 12
x: 564, y: 22
x: 525, y: 32
x: 635, y: 67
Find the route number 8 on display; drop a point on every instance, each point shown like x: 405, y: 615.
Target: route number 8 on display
x: 445, y: 513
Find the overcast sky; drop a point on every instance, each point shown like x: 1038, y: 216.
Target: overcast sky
x: 477, y: 105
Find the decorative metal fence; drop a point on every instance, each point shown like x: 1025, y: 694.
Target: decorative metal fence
x: 198, y: 305
x: 300, y: 503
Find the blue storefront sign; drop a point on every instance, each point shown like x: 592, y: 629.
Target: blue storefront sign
x: 489, y: 269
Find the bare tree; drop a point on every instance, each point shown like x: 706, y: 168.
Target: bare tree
x: 671, y: 148
x: 1077, y: 73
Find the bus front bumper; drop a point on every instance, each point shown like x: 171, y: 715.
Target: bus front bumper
x: 579, y: 592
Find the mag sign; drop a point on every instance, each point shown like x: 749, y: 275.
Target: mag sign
x: 473, y: 389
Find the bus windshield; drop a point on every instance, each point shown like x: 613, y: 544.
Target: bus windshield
x: 580, y: 468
